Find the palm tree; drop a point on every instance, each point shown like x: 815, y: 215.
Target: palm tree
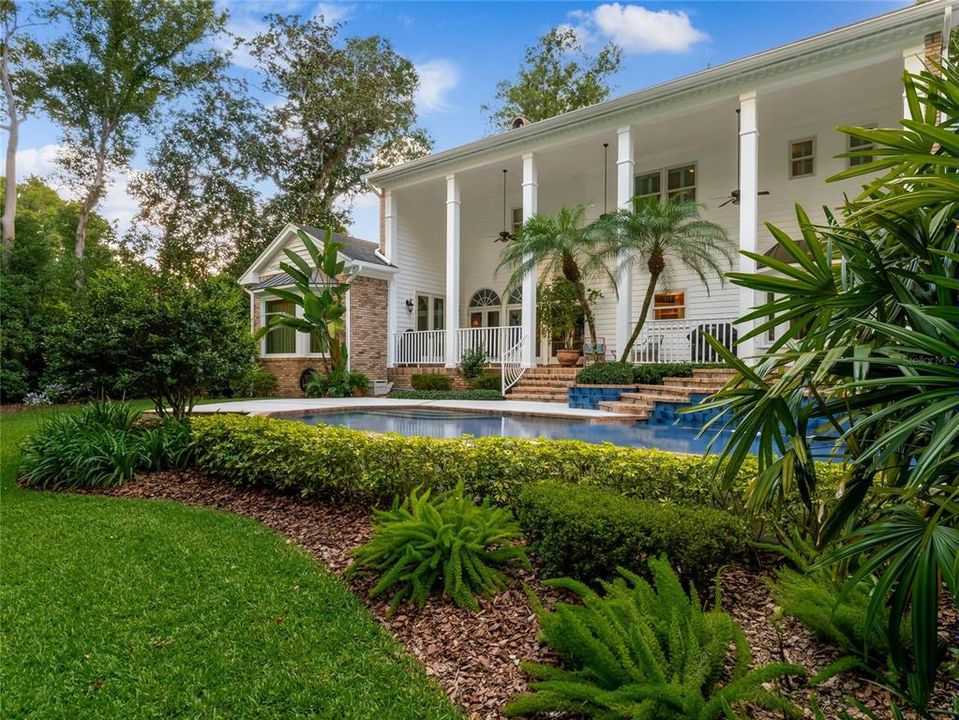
x: 566, y: 247
x: 659, y: 232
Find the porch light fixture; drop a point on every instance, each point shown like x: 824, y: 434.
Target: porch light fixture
x: 409, y: 305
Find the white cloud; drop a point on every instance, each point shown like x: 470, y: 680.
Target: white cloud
x: 117, y: 205
x: 39, y: 161
x: 334, y: 11
x: 437, y: 79
x: 638, y: 30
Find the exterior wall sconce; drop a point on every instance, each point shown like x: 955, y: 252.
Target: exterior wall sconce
x: 409, y: 305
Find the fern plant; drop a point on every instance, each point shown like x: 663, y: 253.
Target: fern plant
x: 646, y: 651
x: 449, y: 540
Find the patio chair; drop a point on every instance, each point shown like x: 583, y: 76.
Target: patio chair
x: 597, y: 352
x: 650, y: 352
x: 382, y: 387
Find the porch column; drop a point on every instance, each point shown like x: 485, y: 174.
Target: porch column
x: 392, y: 292
x: 748, y: 208
x: 625, y: 190
x: 912, y: 62
x: 529, y: 280
x: 452, y: 269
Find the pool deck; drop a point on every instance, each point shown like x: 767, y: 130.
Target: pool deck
x: 290, y: 407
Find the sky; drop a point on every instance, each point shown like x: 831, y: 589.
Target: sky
x: 462, y: 49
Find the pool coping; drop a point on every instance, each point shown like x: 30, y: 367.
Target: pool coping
x: 291, y: 409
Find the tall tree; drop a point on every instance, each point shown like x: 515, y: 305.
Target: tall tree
x: 106, y: 76
x: 18, y: 93
x: 343, y: 110
x: 557, y: 75
x: 198, y: 206
x: 660, y: 232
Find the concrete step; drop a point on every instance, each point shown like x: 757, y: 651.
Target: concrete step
x: 558, y: 392
x: 724, y: 373
x: 657, y: 390
x: 625, y: 408
x: 694, y: 383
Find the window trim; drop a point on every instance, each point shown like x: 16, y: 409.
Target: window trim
x: 663, y: 173
x: 684, y: 292
x: 870, y: 146
x: 790, y: 159
x: 264, y: 299
x: 431, y: 311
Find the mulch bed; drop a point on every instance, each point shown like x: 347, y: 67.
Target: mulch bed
x: 475, y: 656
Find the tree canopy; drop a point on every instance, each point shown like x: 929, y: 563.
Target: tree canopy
x: 558, y: 75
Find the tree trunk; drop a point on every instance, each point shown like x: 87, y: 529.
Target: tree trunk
x: 641, y: 321
x: 13, y: 137
x: 587, y: 312
x: 89, y: 203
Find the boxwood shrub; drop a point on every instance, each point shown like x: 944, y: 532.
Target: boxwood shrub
x: 607, y: 373
x: 431, y: 381
x: 587, y: 532
x: 330, y: 460
x: 446, y: 394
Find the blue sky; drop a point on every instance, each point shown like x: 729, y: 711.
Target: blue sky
x: 462, y: 49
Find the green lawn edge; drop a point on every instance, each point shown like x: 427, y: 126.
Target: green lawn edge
x: 151, y: 609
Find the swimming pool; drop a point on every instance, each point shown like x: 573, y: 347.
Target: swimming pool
x: 450, y: 424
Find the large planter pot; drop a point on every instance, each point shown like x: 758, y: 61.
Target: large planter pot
x: 567, y: 358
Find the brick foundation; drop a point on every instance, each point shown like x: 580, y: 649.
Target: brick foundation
x: 288, y: 371
x: 400, y: 376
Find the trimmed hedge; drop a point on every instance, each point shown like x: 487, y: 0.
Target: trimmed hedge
x: 616, y: 373
x: 488, y: 380
x: 588, y: 532
x: 330, y: 460
x: 446, y: 395
x: 431, y: 381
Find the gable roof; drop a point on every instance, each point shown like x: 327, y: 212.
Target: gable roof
x: 364, y: 254
x: 885, y: 32
x: 353, y: 248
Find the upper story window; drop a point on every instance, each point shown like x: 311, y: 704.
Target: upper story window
x: 280, y: 340
x: 802, y: 158
x: 854, y: 143
x: 669, y: 305
x: 674, y: 183
x: 517, y: 217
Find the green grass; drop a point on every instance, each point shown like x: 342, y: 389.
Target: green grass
x: 113, y: 608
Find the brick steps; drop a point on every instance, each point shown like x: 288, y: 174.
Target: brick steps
x: 640, y: 411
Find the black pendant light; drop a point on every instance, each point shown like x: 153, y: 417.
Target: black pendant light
x: 505, y: 235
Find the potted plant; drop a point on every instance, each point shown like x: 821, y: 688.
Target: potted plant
x: 559, y: 314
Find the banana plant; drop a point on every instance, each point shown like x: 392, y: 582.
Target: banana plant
x: 321, y: 293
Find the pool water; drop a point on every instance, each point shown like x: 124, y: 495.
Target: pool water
x: 449, y: 424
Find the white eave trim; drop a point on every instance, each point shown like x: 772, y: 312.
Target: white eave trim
x: 925, y: 17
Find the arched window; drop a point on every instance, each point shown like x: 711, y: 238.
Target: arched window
x: 485, y: 298
x: 516, y: 296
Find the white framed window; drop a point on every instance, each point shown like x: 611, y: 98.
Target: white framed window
x: 681, y: 183
x: 430, y: 312
x: 669, y: 305
x: 854, y: 143
x: 802, y: 158
x: 516, y: 215
x: 485, y: 307
x: 280, y: 340
x: 672, y: 183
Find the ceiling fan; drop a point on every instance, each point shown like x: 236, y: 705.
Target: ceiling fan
x: 504, y: 234
x: 734, y: 194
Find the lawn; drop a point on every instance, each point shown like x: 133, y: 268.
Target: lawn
x: 148, y: 609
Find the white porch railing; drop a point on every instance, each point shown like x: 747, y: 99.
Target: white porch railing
x: 424, y: 347
x: 662, y: 341
x: 495, y: 341
x: 428, y: 347
x: 512, y: 365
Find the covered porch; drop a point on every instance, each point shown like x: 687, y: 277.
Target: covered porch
x: 733, y: 152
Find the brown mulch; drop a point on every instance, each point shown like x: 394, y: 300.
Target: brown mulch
x: 475, y: 656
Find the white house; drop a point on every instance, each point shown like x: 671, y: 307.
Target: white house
x: 748, y: 140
